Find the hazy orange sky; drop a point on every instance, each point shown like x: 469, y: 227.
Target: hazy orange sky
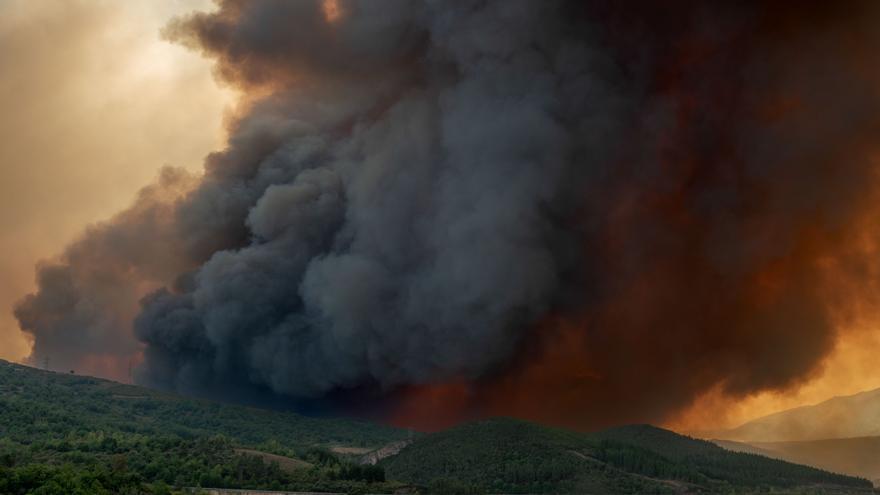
x: 850, y: 369
x: 94, y: 103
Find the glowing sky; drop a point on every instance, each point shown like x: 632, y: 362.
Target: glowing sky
x: 94, y: 103
x: 851, y: 368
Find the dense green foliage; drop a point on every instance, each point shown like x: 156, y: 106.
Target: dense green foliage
x: 121, y: 463
x: 37, y: 404
x: 712, y: 462
x: 65, y: 434
x: 69, y: 434
x: 513, y: 456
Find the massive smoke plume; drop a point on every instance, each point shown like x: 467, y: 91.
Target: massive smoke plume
x: 579, y: 213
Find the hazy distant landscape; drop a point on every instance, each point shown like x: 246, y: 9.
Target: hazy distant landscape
x: 68, y: 434
x: 841, y: 434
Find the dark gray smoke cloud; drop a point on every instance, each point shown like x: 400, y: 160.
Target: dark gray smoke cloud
x: 420, y: 191
x: 396, y: 226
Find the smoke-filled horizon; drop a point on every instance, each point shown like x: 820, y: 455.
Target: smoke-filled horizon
x: 435, y: 211
x: 94, y: 103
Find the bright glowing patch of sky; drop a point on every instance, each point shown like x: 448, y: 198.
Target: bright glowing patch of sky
x: 94, y: 103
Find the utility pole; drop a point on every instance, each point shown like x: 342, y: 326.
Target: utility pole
x: 46, y: 362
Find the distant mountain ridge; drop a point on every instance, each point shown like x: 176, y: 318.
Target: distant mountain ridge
x: 841, y: 434
x: 849, y: 416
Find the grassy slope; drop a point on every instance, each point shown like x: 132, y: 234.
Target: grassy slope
x: 287, y: 464
x: 34, y: 403
x: 514, y: 456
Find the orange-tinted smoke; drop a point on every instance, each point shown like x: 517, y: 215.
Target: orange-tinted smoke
x: 686, y: 307
x: 332, y: 10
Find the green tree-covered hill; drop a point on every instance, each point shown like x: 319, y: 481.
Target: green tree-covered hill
x: 66, y: 434
x: 512, y: 456
x: 40, y: 404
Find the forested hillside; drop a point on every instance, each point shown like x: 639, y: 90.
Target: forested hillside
x: 505, y: 455
x: 853, y: 456
x: 44, y: 404
x: 66, y: 434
